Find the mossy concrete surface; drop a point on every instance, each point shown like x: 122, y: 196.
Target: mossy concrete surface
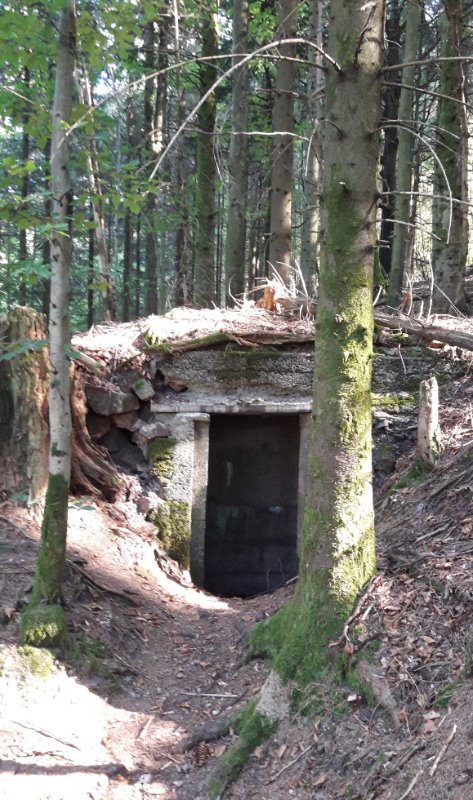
x: 172, y: 520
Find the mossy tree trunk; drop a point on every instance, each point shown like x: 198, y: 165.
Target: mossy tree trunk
x: 204, y: 275
x: 337, y: 540
x: 337, y: 555
x: 43, y: 621
x: 450, y: 222
x: 405, y: 155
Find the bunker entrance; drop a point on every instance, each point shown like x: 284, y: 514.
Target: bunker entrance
x: 252, y: 503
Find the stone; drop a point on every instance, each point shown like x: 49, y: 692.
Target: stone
x: 151, y: 430
x: 108, y: 400
x: 143, y: 389
x: 127, y: 421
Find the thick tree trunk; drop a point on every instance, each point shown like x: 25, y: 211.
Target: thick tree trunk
x: 405, y: 154
x: 23, y: 404
x: 204, y: 273
x: 235, y: 249
x: 43, y: 621
x: 337, y: 546
x: 282, y: 167
x: 450, y: 222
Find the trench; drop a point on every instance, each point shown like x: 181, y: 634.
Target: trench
x: 252, y: 503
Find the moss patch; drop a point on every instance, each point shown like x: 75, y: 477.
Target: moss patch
x: 160, y: 453
x: 253, y: 729
x: 43, y: 625
x: 393, y: 401
x: 416, y: 472
x: 172, y: 521
x: 38, y: 661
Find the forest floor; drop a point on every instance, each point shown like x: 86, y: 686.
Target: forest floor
x: 155, y: 667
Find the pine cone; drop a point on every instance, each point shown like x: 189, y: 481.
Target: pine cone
x: 202, y: 753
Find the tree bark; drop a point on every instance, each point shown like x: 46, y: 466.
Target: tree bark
x: 337, y: 539
x: 313, y: 174
x: 151, y: 267
x: 450, y: 222
x: 282, y: 167
x: 204, y: 273
x: 43, y: 621
x: 235, y: 248
x: 405, y: 154
x: 95, y: 186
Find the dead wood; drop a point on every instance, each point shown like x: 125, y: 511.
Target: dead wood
x: 215, y: 729
x: 426, y: 331
x: 92, y: 472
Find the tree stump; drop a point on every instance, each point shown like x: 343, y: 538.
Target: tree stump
x: 23, y: 404
x: 428, y: 429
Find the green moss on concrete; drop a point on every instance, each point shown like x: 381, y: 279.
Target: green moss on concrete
x: 38, y: 661
x: 253, y: 728
x: 161, y: 453
x: 43, y: 625
x: 172, y: 521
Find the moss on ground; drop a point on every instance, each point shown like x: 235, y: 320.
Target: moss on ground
x: 38, y: 661
x: 393, y: 401
x: 252, y: 728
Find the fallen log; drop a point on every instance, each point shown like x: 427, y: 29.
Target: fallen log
x: 425, y: 331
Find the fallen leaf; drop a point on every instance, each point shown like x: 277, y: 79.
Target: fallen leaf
x: 321, y: 779
x: 428, y: 726
x: 281, y: 750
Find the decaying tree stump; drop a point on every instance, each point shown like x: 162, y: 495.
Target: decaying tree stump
x: 24, y: 433
x: 91, y: 471
x: 23, y: 406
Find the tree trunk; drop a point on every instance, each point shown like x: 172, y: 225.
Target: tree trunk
x: 313, y: 173
x: 388, y: 159
x: 47, y: 205
x: 282, y: 167
x: 204, y: 274
x: 405, y: 153
x: 450, y: 223
x: 95, y: 186
x: 23, y: 401
x: 90, y: 271
x: 25, y: 189
x: 337, y: 544
x: 182, y: 251
x: 151, y: 293
x: 43, y: 621
x: 235, y: 247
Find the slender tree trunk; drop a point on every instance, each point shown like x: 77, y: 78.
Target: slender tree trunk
x: 43, y: 621
x: 95, y: 186
x: 389, y: 156
x: 405, y: 152
x: 138, y: 268
x: 282, y: 167
x: 204, y: 274
x: 182, y: 251
x: 150, y: 293
x: 235, y: 247
x: 46, y: 293
x: 450, y: 222
x: 313, y: 172
x: 25, y: 190
x: 90, y: 271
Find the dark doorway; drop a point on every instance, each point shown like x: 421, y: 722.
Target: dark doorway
x: 251, y: 521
